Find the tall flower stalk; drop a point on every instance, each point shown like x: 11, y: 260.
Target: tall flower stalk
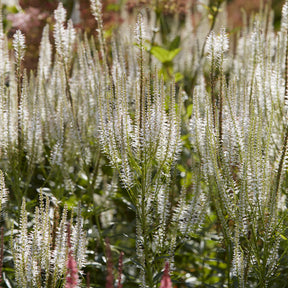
x: 19, y: 50
x: 140, y: 129
x: 143, y: 144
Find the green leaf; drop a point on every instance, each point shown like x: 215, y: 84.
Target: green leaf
x: 173, y: 53
x: 189, y: 110
x: 71, y: 202
x: 282, y: 236
x: 181, y: 168
x: 175, y: 43
x: 178, y: 77
x: 113, y: 7
x: 160, y: 53
x: 12, y: 9
x: 163, y: 55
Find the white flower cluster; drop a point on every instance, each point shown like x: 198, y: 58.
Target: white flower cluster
x: 64, y: 37
x: 39, y: 259
x: 96, y: 7
x: 217, y: 45
x: 3, y: 192
x: 45, y: 55
x: 140, y: 33
x: 284, y: 20
x: 19, y: 45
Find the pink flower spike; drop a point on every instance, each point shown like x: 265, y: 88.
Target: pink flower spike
x: 72, y: 272
x: 120, y: 268
x: 109, y: 276
x: 166, y: 281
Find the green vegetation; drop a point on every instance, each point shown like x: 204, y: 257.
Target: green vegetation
x: 152, y: 153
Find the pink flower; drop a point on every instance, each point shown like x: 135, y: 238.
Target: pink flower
x: 28, y: 19
x: 109, y: 276
x: 166, y: 281
x: 72, y: 272
x: 120, y: 268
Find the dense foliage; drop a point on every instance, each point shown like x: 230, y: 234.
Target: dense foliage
x: 151, y: 156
